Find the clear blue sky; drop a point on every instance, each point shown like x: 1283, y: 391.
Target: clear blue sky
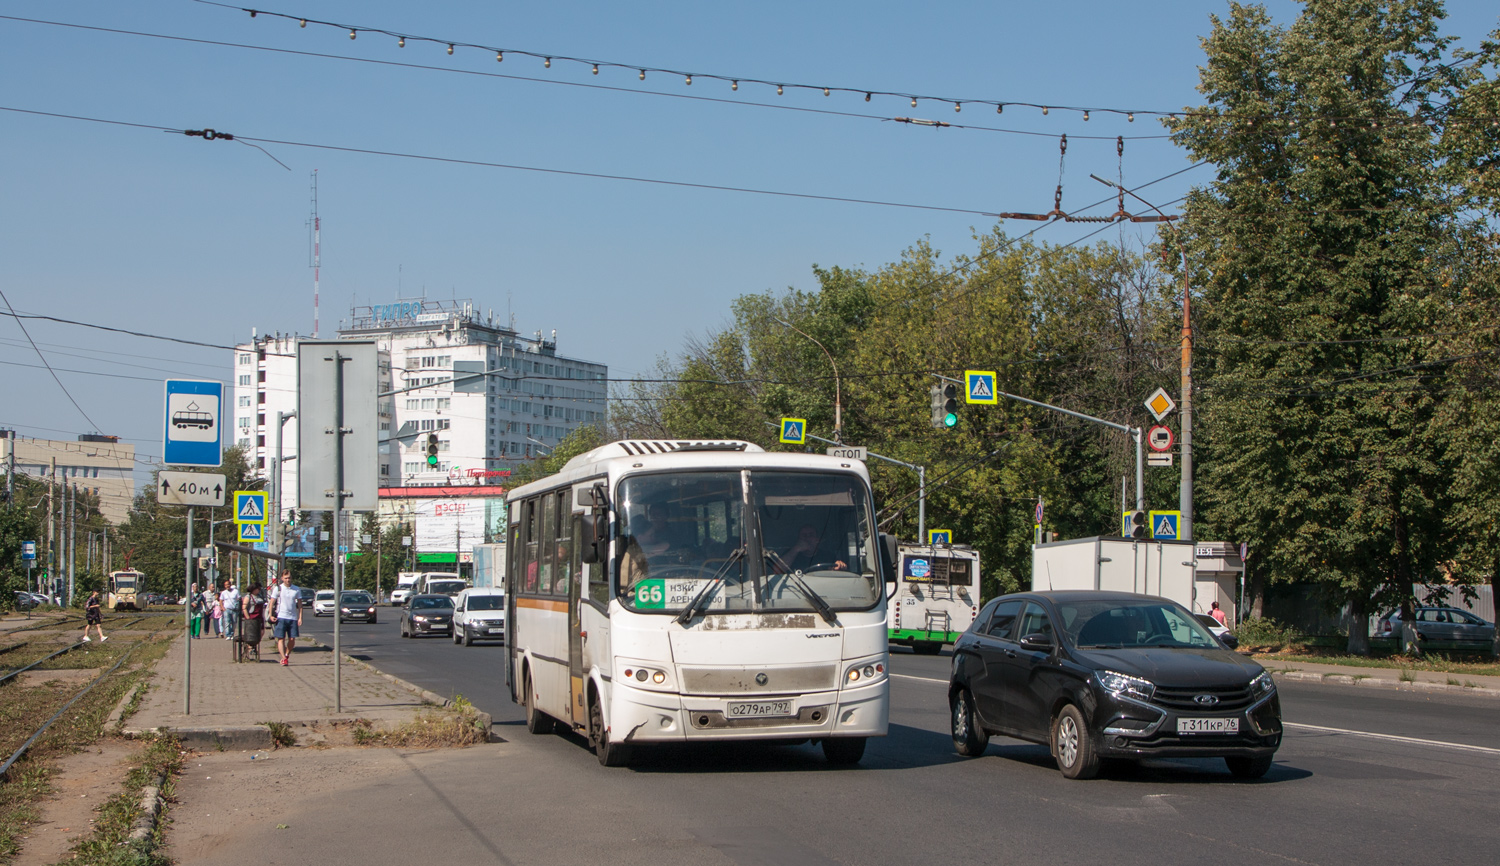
x: 165, y: 234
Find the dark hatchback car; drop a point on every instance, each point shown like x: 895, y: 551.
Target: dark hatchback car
x: 427, y: 614
x: 1104, y: 675
x: 357, y: 604
x: 305, y: 596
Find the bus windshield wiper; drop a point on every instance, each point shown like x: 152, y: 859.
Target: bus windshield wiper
x: 687, y: 613
x: 823, y: 608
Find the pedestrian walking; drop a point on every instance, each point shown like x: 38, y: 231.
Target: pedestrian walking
x: 1218, y: 613
x: 194, y: 602
x: 286, y: 616
x: 93, y: 615
x: 252, y: 619
x: 218, y: 615
x: 230, y: 599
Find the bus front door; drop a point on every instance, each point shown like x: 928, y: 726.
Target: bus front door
x: 577, y: 710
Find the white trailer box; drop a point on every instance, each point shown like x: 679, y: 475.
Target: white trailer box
x: 1146, y: 566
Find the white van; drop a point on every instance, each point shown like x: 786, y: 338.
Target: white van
x: 405, y: 582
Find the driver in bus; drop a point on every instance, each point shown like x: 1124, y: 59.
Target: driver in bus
x: 805, y: 554
x: 648, y: 547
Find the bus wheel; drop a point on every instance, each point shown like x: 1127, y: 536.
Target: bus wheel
x: 537, y: 722
x: 927, y: 647
x: 844, y: 750
x: 609, y: 754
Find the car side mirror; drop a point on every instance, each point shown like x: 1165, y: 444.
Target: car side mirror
x: 1231, y: 641
x: 1037, y: 642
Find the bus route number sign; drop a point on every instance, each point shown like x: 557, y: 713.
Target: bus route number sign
x: 651, y: 594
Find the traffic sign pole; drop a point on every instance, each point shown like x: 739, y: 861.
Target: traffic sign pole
x: 187, y: 620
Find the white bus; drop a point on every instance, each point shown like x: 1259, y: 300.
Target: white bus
x: 672, y: 591
x: 439, y: 583
x: 935, y: 596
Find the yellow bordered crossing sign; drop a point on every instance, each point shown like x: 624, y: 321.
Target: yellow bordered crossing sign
x: 939, y: 536
x: 1166, y: 525
x: 794, y: 431
x: 251, y: 532
x: 979, y: 387
x: 250, y: 507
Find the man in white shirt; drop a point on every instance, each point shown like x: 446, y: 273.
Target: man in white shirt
x: 287, y: 615
x: 230, y: 598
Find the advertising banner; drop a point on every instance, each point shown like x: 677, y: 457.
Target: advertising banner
x: 444, y: 525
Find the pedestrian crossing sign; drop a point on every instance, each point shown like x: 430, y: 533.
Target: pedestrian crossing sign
x: 936, y: 537
x: 251, y: 532
x: 980, y: 387
x: 250, y: 506
x: 794, y: 431
x: 1164, y: 525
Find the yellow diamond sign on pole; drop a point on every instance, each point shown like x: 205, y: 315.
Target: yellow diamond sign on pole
x: 1160, y: 404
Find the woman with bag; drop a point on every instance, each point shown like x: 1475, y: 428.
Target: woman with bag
x: 252, y: 618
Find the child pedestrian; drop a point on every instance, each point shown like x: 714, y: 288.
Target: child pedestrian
x: 93, y: 615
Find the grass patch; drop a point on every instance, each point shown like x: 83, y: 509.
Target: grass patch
x: 281, y: 734
x: 1454, y: 682
x: 110, y: 844
x: 130, y: 708
x: 458, y: 726
x: 1434, y: 662
x: 1407, y: 676
x: 24, y: 709
x: 1265, y: 634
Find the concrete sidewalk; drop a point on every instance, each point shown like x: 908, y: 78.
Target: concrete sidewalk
x: 232, y: 702
x: 1424, y: 681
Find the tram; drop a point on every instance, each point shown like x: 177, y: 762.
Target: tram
x: 127, y: 591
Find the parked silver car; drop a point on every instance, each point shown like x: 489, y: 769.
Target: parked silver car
x: 1446, y: 625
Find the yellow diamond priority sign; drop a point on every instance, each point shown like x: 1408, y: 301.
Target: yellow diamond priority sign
x: 1160, y: 404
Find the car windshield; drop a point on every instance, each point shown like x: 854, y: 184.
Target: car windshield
x: 356, y: 598
x: 325, y: 595
x: 424, y: 602
x: 486, y: 602
x: 1126, y: 624
x: 446, y: 586
x: 681, y: 531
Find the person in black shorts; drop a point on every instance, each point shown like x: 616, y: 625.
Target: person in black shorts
x: 93, y: 615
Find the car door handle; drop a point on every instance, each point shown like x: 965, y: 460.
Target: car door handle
x: 1010, y: 653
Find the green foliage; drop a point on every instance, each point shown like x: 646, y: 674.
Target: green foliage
x: 1265, y: 632
x: 1326, y: 252
x: 582, y: 439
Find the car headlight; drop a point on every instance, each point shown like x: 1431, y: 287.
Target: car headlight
x: 1262, y: 685
x: 1124, y: 684
x: 419, y: 618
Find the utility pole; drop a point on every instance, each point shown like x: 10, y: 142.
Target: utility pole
x: 187, y: 631
x: 52, y: 560
x: 72, y: 541
x: 1185, y: 405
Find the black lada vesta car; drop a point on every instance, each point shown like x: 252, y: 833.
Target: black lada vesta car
x: 1098, y: 675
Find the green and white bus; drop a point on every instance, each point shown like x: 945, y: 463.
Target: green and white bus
x: 935, y: 596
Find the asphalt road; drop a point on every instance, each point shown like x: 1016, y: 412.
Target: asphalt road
x: 1364, y: 775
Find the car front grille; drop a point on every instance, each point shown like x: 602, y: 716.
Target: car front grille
x: 1228, y: 698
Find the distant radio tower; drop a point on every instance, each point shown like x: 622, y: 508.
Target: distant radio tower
x: 317, y: 227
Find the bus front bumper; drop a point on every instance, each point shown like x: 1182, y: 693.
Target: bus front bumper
x: 645, y: 716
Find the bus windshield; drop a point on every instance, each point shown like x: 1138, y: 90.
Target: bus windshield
x: 755, y: 540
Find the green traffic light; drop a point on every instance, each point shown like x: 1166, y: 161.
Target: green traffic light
x: 950, y: 420
x: 431, y: 459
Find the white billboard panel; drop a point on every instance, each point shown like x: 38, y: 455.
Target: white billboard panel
x: 443, y: 524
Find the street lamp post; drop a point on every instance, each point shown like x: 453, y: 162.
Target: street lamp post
x: 838, y: 412
x: 1185, y: 491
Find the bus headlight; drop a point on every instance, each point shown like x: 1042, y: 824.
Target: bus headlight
x: 644, y: 675
x: 864, y: 672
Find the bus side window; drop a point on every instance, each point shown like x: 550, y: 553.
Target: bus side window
x: 547, y: 543
x: 566, y: 566
x: 528, y: 545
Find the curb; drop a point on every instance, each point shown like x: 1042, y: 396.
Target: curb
x: 1377, y: 682
x: 151, y: 803
x: 430, y: 697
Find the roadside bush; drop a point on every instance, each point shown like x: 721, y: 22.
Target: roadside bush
x: 1267, y: 633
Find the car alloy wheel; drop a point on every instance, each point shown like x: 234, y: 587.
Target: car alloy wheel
x: 1075, y: 753
x: 969, y: 739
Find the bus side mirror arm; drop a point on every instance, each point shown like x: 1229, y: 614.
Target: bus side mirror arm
x: 888, y: 555
x: 595, y: 527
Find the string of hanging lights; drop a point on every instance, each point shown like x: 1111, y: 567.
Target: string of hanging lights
x: 957, y: 103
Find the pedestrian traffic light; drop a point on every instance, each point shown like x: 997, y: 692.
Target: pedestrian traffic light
x: 1140, y: 527
x: 950, y: 404
x: 432, y: 458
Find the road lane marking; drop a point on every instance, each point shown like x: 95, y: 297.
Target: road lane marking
x: 923, y: 679
x: 1442, y: 744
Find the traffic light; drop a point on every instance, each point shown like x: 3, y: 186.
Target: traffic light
x: 432, y: 458
x: 950, y: 404
x: 937, y: 405
x: 1139, y: 525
